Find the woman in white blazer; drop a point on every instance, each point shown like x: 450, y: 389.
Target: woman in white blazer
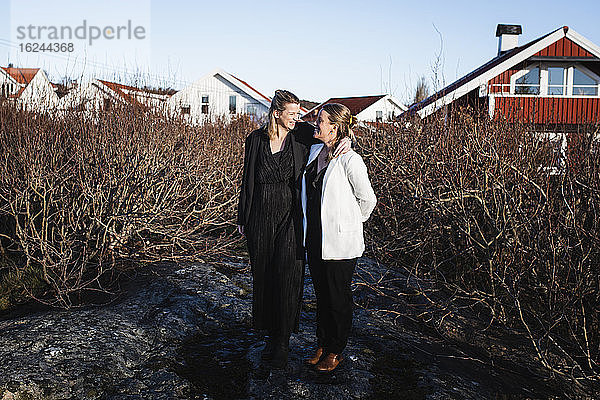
x: 337, y: 198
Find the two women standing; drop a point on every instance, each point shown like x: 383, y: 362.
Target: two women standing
x: 276, y: 217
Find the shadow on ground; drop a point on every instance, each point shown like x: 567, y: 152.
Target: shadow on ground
x: 183, y: 332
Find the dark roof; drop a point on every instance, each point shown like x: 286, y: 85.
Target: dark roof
x: 475, y: 73
x: 355, y: 104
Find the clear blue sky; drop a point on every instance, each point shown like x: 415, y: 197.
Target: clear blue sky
x: 317, y: 49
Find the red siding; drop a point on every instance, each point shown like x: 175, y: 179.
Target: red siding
x: 503, y: 79
x: 564, y: 48
x: 548, y: 110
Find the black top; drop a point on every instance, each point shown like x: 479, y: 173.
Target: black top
x: 314, y: 190
x: 277, y: 157
x: 275, y: 167
x: 300, y: 140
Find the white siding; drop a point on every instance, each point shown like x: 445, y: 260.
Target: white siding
x: 39, y: 95
x: 385, y: 105
x: 86, y: 97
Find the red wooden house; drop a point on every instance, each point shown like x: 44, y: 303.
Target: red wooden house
x: 552, y: 82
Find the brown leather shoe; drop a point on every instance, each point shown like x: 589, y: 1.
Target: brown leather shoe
x: 329, y: 363
x: 316, y: 357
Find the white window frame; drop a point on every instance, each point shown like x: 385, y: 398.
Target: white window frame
x: 204, y: 104
x: 544, y: 75
x: 590, y: 74
x: 520, y: 74
x: 234, y: 98
x: 545, y: 79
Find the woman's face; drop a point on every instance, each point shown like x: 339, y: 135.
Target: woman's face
x: 325, y: 131
x: 288, y: 117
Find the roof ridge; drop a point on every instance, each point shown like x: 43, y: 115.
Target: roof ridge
x: 245, y: 83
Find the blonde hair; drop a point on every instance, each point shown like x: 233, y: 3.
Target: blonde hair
x: 280, y: 100
x: 340, y: 116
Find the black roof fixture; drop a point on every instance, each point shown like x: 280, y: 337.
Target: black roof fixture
x: 502, y: 29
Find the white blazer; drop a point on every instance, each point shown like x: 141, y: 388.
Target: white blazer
x: 347, y: 200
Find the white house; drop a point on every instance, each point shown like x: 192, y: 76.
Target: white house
x: 218, y: 94
x: 380, y: 108
x: 28, y: 87
x: 97, y: 95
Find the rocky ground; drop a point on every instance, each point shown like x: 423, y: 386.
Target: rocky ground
x: 183, y: 332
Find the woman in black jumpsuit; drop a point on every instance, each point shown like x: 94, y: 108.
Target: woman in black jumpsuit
x: 271, y: 244
x: 270, y: 216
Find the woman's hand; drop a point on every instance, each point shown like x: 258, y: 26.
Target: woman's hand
x: 241, y: 229
x: 344, y: 147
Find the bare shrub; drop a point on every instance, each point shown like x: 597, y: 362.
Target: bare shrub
x: 80, y: 196
x: 421, y: 91
x: 470, y: 207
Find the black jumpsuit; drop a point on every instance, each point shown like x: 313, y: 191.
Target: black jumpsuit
x: 277, y: 276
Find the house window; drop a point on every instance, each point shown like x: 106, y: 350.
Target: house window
x: 204, y: 105
x: 529, y: 82
x: 584, y: 84
x: 232, y: 105
x: 107, y: 104
x: 557, y: 81
x: 378, y: 116
x: 252, y: 109
x: 185, y: 109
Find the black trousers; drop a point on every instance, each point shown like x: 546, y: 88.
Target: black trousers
x: 331, y: 279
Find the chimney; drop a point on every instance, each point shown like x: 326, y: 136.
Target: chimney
x: 508, y: 37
